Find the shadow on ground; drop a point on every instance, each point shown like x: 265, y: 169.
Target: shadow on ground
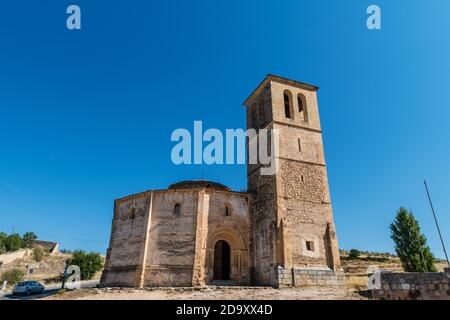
x: 45, y: 293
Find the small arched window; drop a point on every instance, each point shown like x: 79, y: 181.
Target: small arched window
x: 302, y: 106
x: 176, y: 210
x: 287, y: 103
x: 227, y: 211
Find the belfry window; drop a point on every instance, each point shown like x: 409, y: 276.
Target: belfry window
x: 300, y: 104
x: 176, y: 210
x: 301, y: 101
x: 227, y: 211
x: 287, y: 104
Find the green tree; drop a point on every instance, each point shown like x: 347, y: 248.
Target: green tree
x: 13, y: 242
x: 12, y: 276
x: 89, y: 263
x: 410, y: 244
x: 3, y: 237
x: 354, y: 254
x: 27, y: 239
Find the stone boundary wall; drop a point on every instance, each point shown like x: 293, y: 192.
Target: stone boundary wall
x: 307, y: 277
x: 413, y: 286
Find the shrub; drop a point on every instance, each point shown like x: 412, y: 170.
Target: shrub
x: 354, y: 254
x: 38, y: 254
x: 89, y: 263
x: 12, y: 276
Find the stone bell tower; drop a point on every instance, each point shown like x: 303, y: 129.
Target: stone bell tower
x: 293, y: 240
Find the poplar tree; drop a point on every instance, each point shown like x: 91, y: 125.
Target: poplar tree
x: 410, y: 244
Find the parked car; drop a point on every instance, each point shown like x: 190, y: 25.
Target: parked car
x: 28, y: 287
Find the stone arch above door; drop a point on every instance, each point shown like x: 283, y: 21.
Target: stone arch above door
x: 233, y: 238
x: 239, y: 255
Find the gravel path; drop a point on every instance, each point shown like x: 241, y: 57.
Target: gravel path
x: 211, y: 293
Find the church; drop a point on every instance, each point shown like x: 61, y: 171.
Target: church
x: 278, y: 233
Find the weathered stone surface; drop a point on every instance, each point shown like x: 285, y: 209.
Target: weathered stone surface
x: 413, y: 286
x: 280, y: 233
x: 180, y: 249
x: 290, y: 212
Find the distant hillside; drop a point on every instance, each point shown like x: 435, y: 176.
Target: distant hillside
x: 356, y: 269
x: 47, y: 270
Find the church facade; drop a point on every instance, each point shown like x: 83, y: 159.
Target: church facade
x: 279, y: 233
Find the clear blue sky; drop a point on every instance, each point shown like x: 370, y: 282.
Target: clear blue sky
x: 86, y: 116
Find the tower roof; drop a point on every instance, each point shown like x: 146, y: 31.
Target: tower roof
x: 271, y: 77
x: 199, y: 184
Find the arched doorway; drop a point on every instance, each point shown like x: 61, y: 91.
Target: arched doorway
x: 221, y: 261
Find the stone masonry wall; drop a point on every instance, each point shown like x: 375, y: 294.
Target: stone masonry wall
x: 291, y: 211
x: 311, y: 277
x: 122, y: 259
x: 305, y: 212
x: 234, y: 229
x: 302, y: 184
x: 413, y: 286
x: 263, y: 219
x: 152, y: 246
x: 171, y: 241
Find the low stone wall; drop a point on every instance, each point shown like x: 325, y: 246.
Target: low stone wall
x: 308, y: 277
x: 413, y: 286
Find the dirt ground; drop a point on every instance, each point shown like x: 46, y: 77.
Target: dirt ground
x: 210, y: 293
